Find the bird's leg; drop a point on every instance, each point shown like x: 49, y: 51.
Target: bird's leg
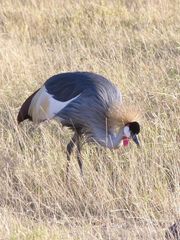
x: 79, y: 158
x: 70, y: 147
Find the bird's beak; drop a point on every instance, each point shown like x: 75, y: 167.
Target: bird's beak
x: 135, y: 139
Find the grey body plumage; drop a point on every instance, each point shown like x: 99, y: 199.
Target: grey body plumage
x: 81, y: 101
x: 88, y: 112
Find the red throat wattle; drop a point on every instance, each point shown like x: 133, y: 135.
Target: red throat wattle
x: 125, y: 141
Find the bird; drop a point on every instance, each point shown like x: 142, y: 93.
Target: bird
x: 87, y: 103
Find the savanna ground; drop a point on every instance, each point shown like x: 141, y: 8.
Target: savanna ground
x: 127, y: 193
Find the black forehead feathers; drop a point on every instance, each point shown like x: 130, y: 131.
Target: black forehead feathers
x: 134, y: 127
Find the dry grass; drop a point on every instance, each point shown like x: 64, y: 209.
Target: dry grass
x: 125, y: 194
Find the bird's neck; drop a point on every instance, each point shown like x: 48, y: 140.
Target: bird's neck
x: 111, y: 139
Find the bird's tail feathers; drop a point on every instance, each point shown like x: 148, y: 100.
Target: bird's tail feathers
x: 41, y: 106
x: 37, y: 107
x: 24, y: 110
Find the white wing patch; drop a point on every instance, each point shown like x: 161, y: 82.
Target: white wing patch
x: 44, y: 107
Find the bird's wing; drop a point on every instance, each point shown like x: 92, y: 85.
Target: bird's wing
x: 62, y: 89
x: 44, y: 106
x: 57, y: 92
x: 65, y: 86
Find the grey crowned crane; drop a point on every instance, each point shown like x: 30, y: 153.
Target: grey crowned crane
x: 87, y: 103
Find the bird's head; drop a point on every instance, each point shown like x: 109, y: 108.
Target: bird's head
x: 130, y: 131
x: 125, y: 120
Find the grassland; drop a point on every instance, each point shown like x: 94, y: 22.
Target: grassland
x: 125, y: 194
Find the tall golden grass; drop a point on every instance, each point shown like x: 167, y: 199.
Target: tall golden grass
x: 127, y: 193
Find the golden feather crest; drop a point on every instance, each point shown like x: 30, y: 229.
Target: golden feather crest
x: 121, y: 114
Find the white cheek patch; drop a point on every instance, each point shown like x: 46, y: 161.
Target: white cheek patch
x: 127, y: 132
x: 44, y: 106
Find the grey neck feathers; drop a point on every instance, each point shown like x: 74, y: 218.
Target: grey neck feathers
x: 110, y: 140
